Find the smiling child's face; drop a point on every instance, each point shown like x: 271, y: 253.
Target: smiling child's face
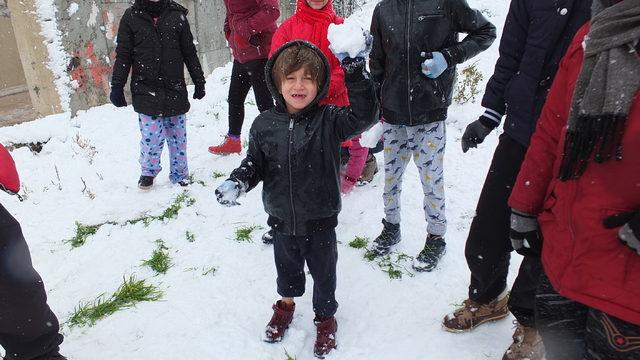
x: 299, y: 89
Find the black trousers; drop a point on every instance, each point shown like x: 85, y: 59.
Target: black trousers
x: 28, y: 327
x: 243, y: 77
x: 573, y: 331
x: 320, y: 252
x: 488, y: 248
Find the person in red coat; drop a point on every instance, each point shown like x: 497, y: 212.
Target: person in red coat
x: 311, y: 22
x: 248, y: 28
x: 28, y: 328
x: 581, y: 180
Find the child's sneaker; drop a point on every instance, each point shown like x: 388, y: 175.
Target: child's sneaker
x: 282, y: 316
x: 389, y: 236
x: 267, y: 238
x: 228, y: 146
x: 325, y: 337
x: 472, y: 314
x: 429, y: 257
x: 145, y: 182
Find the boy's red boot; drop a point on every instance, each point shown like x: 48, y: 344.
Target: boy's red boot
x: 228, y: 146
x: 325, y: 337
x: 282, y: 316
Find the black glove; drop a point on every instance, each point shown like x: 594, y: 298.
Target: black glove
x: 475, y: 132
x: 353, y: 65
x: 629, y: 223
x: 117, y: 96
x: 199, y: 92
x: 256, y: 39
x: 525, y: 235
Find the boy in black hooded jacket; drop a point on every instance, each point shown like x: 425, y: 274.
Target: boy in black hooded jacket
x: 294, y: 149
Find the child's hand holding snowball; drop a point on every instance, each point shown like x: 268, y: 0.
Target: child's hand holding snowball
x: 352, y: 51
x: 228, y: 193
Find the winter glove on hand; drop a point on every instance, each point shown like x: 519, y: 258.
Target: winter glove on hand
x: 474, y: 134
x: 256, y: 39
x: 525, y: 234
x: 117, y: 96
x: 353, y: 65
x: 228, y: 193
x: 435, y: 65
x: 199, y: 92
x: 629, y: 232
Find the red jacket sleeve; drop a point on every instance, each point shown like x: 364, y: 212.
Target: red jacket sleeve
x: 267, y: 14
x: 537, y: 171
x: 9, y: 180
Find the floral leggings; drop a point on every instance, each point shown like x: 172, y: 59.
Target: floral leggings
x: 154, y: 130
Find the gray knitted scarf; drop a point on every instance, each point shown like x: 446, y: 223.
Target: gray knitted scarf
x: 606, y: 86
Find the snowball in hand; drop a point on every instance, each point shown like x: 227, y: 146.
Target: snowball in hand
x: 346, y: 38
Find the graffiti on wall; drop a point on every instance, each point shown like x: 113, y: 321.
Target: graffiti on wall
x: 90, y: 29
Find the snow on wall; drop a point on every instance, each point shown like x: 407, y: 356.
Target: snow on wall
x: 58, y: 58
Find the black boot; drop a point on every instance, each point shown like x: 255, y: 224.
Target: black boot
x: 389, y: 236
x: 145, y: 182
x: 433, y: 250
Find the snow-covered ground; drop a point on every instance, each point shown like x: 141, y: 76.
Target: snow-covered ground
x: 87, y: 172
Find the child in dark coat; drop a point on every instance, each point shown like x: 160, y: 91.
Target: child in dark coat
x: 155, y: 40
x: 294, y: 149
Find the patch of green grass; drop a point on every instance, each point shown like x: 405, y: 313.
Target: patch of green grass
x: 160, y: 262
x: 182, y: 200
x: 288, y: 356
x: 191, y: 237
x: 192, y: 180
x: 82, y: 233
x: 217, y: 174
x: 359, y: 242
x: 370, y: 255
x: 130, y: 292
x: 393, y: 264
x: 243, y: 233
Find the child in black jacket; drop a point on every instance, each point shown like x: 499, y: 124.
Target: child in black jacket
x: 154, y: 38
x: 294, y: 149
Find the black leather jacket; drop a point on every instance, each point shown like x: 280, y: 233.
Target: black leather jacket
x: 404, y: 31
x: 297, y: 156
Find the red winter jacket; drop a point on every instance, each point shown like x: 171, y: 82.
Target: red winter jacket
x: 313, y: 25
x: 246, y: 18
x: 9, y: 180
x: 584, y: 261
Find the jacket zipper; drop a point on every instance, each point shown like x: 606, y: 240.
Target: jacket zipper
x: 409, y: 6
x: 293, y: 209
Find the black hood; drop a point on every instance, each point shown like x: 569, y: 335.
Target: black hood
x: 323, y: 88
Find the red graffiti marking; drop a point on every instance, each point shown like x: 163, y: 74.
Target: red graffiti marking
x: 99, y: 70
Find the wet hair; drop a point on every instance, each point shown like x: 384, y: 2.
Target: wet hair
x: 298, y: 57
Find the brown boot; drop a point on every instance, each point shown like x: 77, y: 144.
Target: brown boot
x: 369, y: 171
x: 282, y: 316
x: 472, y: 314
x: 527, y: 344
x: 325, y: 337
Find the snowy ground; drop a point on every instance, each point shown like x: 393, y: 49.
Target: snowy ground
x: 87, y: 172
